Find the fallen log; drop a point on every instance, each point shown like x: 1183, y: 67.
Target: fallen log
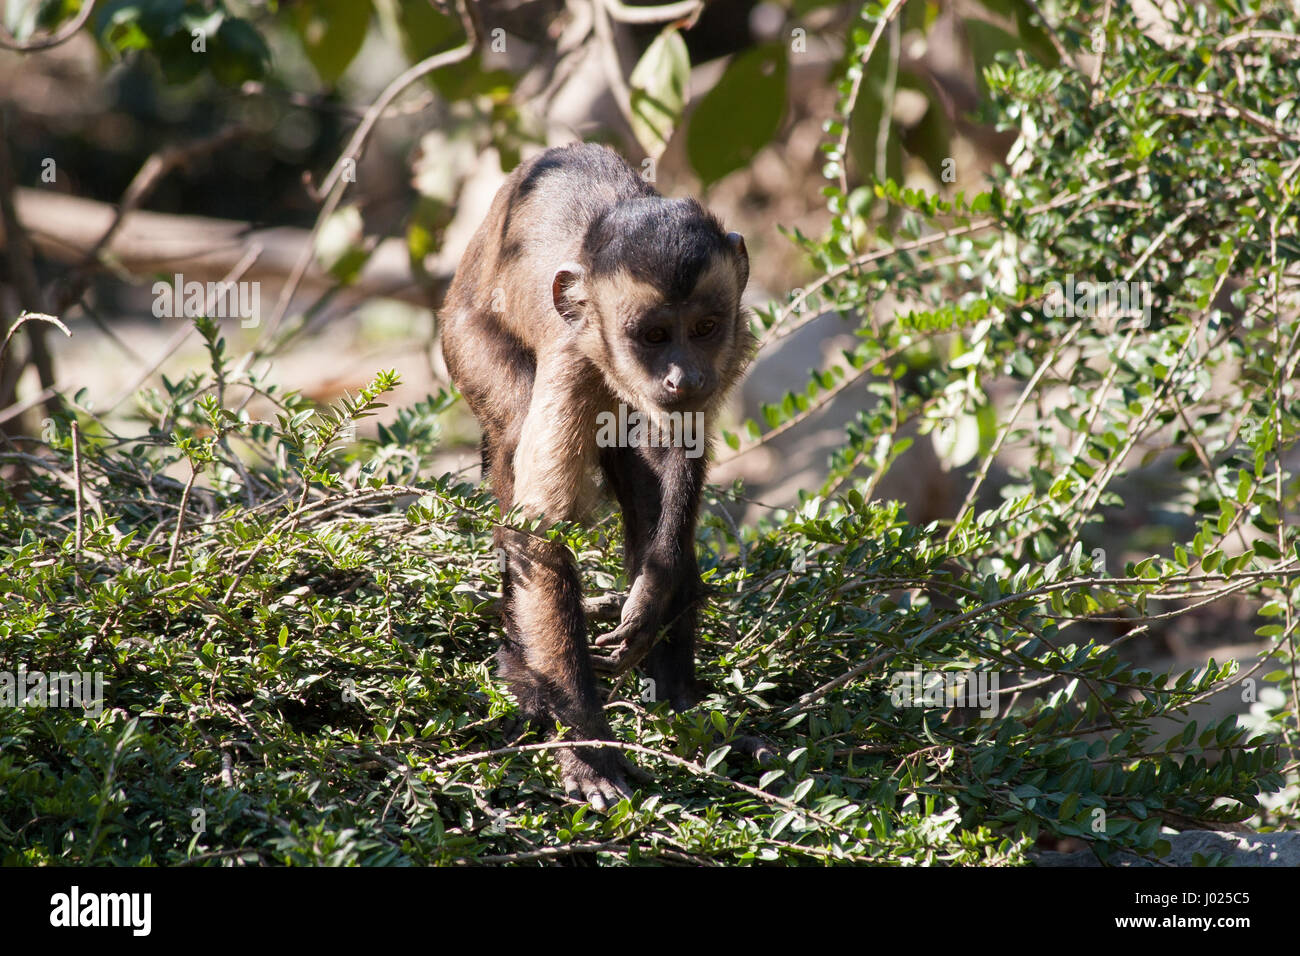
x: 151, y: 244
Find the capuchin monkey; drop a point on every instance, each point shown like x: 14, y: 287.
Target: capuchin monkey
x: 584, y: 290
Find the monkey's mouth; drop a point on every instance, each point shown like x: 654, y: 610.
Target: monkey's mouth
x: 683, y: 403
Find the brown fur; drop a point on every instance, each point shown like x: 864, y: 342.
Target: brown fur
x: 537, y: 379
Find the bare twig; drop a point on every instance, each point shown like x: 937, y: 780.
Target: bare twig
x: 1051, y: 32
x: 686, y: 10
x: 609, y: 61
x: 1101, y: 55
x: 335, y: 184
x: 673, y: 759
x: 183, y: 332
x: 180, y: 517
x: 146, y: 179
x: 30, y: 317
x: 22, y: 264
x: 1246, y: 36
x: 7, y: 41
x: 76, y: 474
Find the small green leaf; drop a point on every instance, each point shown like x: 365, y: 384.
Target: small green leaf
x: 331, y: 32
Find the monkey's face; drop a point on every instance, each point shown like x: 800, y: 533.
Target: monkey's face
x: 674, y: 355
x: 659, y: 351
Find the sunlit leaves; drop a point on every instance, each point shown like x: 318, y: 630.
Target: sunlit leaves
x: 659, y: 87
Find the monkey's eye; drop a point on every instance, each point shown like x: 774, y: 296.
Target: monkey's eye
x: 655, y: 336
x: 704, y: 328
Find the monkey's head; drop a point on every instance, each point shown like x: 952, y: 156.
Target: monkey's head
x: 655, y: 303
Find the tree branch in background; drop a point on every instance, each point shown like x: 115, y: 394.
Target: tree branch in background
x: 334, y: 185
x: 21, y: 267
x: 151, y: 173
x: 689, y: 9
x: 618, y: 87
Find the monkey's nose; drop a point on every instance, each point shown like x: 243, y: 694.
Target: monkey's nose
x: 681, y: 384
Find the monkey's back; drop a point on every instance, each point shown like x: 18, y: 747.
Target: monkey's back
x: 537, y: 221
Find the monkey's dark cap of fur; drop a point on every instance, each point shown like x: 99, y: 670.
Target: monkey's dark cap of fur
x: 658, y: 240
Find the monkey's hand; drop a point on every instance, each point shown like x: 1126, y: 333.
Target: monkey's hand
x: 639, y: 627
x: 597, y: 775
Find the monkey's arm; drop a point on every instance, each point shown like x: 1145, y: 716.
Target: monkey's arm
x: 667, y: 579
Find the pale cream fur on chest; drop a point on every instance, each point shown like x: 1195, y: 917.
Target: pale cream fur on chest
x: 559, y: 430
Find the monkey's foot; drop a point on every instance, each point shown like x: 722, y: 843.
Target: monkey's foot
x: 594, y: 776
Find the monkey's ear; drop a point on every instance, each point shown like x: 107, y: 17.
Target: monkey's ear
x: 569, y: 292
x: 737, y: 243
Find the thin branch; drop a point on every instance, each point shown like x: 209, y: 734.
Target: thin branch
x: 180, y: 517
x: 1101, y: 56
x: 30, y: 317
x: 686, y: 10
x: 335, y: 184
x: 673, y: 759
x: 76, y: 474
x: 855, y: 89
x: 8, y: 42
x: 372, y: 115
x: 146, y: 179
x: 183, y: 332
x: 1051, y: 32
x: 609, y: 61
x: 1248, y: 35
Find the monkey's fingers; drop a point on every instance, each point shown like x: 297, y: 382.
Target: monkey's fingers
x: 621, y: 659
x: 631, y: 657
x: 636, y: 637
x: 616, y: 636
x: 601, y: 794
x: 618, y: 663
x: 643, y: 611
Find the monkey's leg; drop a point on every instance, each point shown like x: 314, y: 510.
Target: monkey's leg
x: 671, y: 661
x: 545, y: 661
x: 546, y: 654
x: 543, y: 656
x: 495, y: 373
